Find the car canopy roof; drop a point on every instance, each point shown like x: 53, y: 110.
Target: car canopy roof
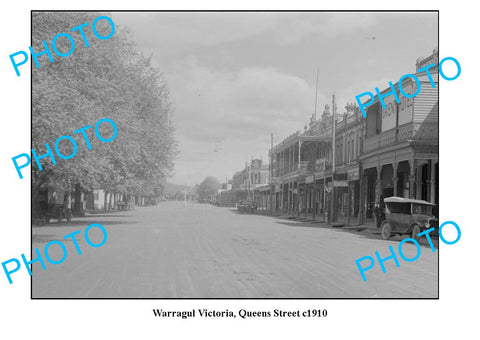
x: 406, y: 200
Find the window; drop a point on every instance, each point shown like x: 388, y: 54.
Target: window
x: 422, y: 209
x: 398, y: 208
x: 378, y: 123
x: 353, y: 148
x: 348, y: 152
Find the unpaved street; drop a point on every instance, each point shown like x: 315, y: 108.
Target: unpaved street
x: 203, y: 251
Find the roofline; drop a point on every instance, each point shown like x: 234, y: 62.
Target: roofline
x: 395, y: 199
x: 395, y: 85
x: 295, y: 139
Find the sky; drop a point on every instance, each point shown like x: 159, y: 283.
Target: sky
x: 237, y: 77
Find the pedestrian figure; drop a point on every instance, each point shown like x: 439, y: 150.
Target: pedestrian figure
x: 379, y: 212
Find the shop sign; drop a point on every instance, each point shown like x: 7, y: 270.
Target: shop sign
x: 340, y: 183
x: 405, y: 109
x: 309, y: 179
x: 389, y: 114
x: 353, y: 174
x: 321, y: 164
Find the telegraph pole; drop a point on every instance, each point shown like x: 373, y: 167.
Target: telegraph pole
x: 272, y: 185
x: 316, y: 95
x: 333, y: 133
x: 333, y: 205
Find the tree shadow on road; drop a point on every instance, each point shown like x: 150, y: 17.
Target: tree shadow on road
x: 120, y: 214
x: 78, y: 222
x: 45, y: 238
x: 88, y: 219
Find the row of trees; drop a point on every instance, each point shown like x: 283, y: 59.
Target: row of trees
x: 108, y: 79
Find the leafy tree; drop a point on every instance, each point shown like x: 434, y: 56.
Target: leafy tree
x: 208, y: 187
x: 108, y: 79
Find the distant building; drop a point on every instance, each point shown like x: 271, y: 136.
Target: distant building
x: 252, y: 176
x: 225, y: 186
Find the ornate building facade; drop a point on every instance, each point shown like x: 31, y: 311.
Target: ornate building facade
x: 400, y: 155
x: 391, y: 152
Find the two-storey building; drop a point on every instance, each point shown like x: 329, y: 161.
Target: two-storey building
x: 244, y: 182
x: 400, y: 156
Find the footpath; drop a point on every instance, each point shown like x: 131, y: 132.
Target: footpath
x: 367, y: 229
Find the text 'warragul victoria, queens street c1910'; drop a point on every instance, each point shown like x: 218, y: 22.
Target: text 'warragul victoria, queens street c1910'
x: 242, y: 313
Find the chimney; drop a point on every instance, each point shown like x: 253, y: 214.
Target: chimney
x: 351, y: 108
x: 326, y: 111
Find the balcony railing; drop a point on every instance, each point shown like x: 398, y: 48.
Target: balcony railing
x: 278, y: 172
x: 427, y: 131
x: 379, y: 141
x: 322, y: 164
x: 306, y: 167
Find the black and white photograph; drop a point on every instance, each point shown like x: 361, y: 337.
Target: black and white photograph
x: 238, y: 170
x: 227, y: 154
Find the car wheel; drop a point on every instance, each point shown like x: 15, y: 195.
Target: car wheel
x: 415, y: 232
x: 386, y: 231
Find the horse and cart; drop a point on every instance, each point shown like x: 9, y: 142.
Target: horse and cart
x: 54, y: 211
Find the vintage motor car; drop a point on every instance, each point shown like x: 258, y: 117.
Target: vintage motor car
x: 246, y: 206
x: 407, y: 216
